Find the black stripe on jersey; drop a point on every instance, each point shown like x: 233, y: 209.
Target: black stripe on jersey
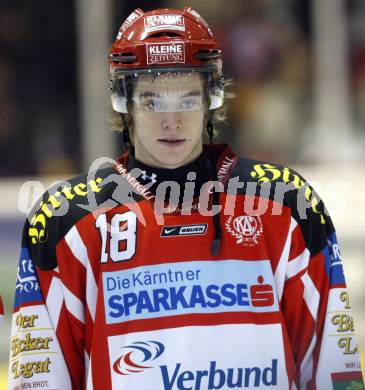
x: 287, y: 187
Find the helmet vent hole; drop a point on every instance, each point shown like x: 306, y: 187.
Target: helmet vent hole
x: 165, y: 34
x: 124, y: 58
x: 206, y: 54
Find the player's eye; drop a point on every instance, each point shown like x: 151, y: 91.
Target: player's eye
x: 190, y: 104
x: 152, y: 105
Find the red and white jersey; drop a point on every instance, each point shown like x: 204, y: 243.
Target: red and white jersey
x: 114, y: 295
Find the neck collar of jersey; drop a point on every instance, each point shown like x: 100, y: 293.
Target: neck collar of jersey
x: 221, y: 153
x: 201, y: 168
x: 220, y: 156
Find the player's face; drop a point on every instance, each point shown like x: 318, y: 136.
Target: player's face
x: 168, y: 113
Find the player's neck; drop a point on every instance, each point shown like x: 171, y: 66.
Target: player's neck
x: 199, y: 171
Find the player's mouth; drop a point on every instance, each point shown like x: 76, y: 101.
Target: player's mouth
x: 174, y: 142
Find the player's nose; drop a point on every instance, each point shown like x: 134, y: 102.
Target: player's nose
x: 171, y: 121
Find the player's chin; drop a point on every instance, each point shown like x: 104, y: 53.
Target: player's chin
x: 173, y: 159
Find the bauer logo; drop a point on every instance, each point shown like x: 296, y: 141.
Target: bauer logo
x: 27, y: 287
x: 164, y: 22
x: 137, y: 357
x: 184, y: 230
x: 162, y: 53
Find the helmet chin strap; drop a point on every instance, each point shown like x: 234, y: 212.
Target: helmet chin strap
x: 125, y: 134
x: 210, y: 127
x: 216, y: 243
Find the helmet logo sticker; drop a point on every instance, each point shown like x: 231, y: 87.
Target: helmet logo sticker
x: 164, y: 22
x: 200, y: 19
x: 131, y: 18
x: 165, y: 53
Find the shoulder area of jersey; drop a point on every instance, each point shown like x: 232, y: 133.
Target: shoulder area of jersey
x: 283, y: 185
x: 65, y: 203
x: 263, y: 172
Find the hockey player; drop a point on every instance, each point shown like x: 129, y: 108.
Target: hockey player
x: 181, y: 266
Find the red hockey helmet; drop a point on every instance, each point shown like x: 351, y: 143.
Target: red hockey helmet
x: 164, y: 41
